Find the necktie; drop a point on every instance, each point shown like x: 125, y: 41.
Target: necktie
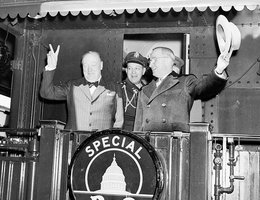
x: 90, y: 84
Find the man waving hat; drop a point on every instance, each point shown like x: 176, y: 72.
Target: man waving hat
x: 164, y: 104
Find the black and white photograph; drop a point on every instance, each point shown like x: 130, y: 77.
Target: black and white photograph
x: 129, y: 100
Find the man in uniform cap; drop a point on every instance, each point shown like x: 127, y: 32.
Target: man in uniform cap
x: 135, y: 66
x: 165, y: 103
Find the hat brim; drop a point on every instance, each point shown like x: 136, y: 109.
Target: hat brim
x: 235, y: 36
x: 178, y: 62
x: 228, y: 35
x: 223, y: 32
x: 135, y: 61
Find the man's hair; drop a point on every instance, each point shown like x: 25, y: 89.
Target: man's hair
x: 166, y: 51
x: 92, y: 53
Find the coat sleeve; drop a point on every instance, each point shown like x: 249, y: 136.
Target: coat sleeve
x: 49, y: 91
x: 205, y: 88
x: 119, y: 115
x: 139, y: 114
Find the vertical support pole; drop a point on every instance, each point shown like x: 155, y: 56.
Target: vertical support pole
x: 199, y: 156
x: 187, y: 53
x: 48, y: 175
x: 33, y: 151
x: 223, y: 173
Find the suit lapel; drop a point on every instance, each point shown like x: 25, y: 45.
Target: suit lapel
x: 166, y: 84
x: 86, y: 91
x: 148, y: 90
x: 99, y: 90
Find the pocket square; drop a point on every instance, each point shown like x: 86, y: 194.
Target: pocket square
x: 110, y: 93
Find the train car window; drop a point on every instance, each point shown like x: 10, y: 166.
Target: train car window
x: 7, y: 41
x: 144, y: 43
x: 178, y: 42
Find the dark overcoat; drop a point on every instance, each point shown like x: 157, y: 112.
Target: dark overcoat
x: 167, y: 107
x: 129, y: 94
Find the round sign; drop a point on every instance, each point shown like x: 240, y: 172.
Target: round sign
x: 114, y: 164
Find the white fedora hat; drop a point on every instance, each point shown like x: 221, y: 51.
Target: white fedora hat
x: 228, y: 35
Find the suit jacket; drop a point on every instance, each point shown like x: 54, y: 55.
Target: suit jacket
x: 167, y: 107
x: 101, y: 110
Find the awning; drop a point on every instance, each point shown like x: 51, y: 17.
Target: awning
x: 113, y: 7
x: 19, y: 9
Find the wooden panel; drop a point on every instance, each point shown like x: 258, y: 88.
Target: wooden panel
x: 198, y: 165
x: 13, y: 179
x: 173, y: 151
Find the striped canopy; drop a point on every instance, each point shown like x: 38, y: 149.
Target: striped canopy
x: 113, y: 7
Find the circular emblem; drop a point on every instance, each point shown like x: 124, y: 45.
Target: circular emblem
x: 114, y: 164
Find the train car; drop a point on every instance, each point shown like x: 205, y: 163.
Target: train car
x: 41, y: 159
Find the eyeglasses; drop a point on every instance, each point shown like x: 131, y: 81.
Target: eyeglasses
x: 154, y: 59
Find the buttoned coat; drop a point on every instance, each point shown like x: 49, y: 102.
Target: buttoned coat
x: 167, y: 107
x: 129, y: 95
x: 101, y: 110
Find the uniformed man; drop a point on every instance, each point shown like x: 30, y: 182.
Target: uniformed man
x: 135, y: 66
x: 165, y: 104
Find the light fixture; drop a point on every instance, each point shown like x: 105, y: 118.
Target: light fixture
x: 4, y: 56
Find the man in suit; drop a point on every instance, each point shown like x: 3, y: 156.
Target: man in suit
x: 135, y: 66
x: 91, y: 105
x: 165, y: 103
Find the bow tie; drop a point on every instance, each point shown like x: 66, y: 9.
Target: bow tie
x: 90, y: 84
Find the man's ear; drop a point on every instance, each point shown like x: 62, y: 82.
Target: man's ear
x: 126, y: 70
x: 144, y: 70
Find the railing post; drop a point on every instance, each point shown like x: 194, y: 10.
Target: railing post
x: 33, y: 153
x: 50, y: 168
x: 200, y: 162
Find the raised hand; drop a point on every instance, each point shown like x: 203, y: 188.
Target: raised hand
x: 223, y: 62
x: 52, y: 58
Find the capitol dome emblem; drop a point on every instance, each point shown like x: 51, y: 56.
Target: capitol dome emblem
x: 114, y: 163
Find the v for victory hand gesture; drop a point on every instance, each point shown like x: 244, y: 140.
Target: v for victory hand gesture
x: 52, y: 58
